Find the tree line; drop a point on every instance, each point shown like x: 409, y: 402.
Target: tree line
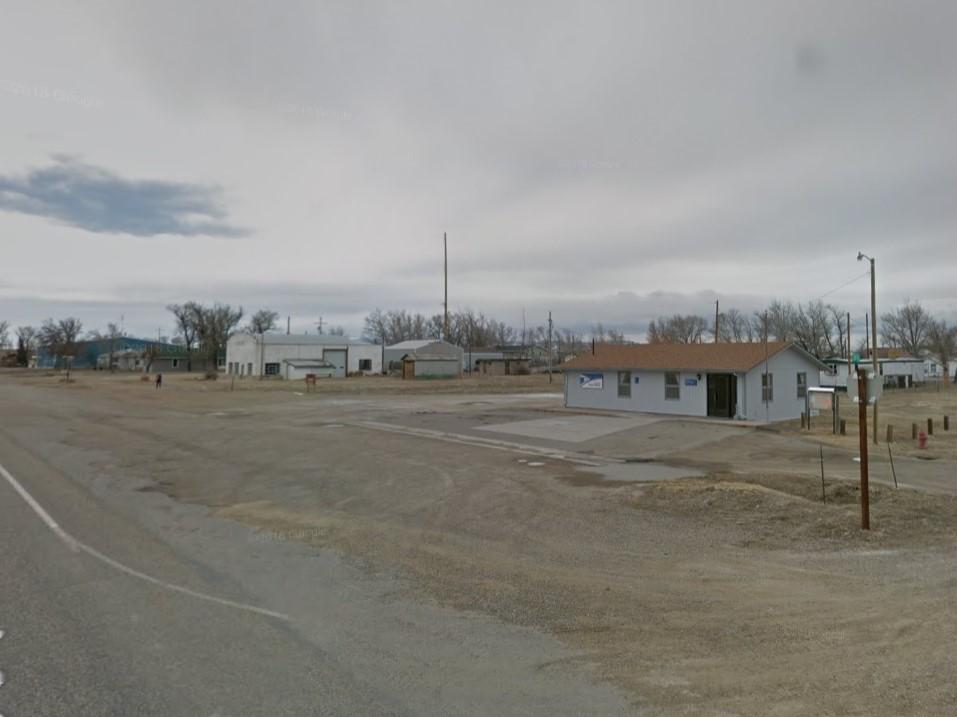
x: 817, y: 327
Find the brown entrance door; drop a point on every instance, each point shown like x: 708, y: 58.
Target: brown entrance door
x: 721, y: 390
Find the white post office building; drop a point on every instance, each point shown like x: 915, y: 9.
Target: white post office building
x: 746, y: 381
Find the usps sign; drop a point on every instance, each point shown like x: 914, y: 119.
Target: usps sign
x: 594, y: 381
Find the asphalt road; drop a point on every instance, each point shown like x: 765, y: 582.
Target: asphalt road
x: 157, y: 613
x: 83, y: 638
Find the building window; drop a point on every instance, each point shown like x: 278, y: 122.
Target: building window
x: 672, y: 387
x: 271, y: 369
x: 365, y: 364
x: 624, y: 384
x: 802, y: 385
x: 174, y: 363
x: 249, y: 368
x: 767, y: 387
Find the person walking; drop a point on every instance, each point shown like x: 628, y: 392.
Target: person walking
x: 159, y: 380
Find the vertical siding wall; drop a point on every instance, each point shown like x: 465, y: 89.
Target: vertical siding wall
x: 246, y: 350
x: 646, y: 395
x: 786, y: 405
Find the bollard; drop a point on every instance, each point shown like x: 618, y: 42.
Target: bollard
x: 890, y: 433
x: 843, y: 427
x: 913, y: 431
x: 922, y: 440
x: 946, y: 423
x: 930, y: 426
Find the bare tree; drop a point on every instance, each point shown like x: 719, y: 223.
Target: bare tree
x: 262, y: 321
x: 678, y: 329
x: 185, y: 315
x: 59, y: 337
x: 336, y: 331
x: 4, y: 335
x: 907, y: 327
x: 26, y: 344
x: 214, y: 327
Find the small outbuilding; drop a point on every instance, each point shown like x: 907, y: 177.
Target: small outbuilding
x: 423, y: 365
x: 425, y: 349
x: 747, y: 381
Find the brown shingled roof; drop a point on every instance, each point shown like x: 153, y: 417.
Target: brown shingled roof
x: 678, y: 357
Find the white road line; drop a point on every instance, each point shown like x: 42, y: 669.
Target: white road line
x: 76, y: 545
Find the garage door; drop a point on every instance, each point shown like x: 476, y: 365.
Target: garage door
x: 337, y: 358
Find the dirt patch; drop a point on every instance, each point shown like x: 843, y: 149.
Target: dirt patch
x: 783, y: 511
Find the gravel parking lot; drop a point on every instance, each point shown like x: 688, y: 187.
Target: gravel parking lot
x: 728, y: 589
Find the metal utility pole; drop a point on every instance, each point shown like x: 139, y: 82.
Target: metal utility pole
x: 862, y: 423
x: 445, y: 303
x: 717, y: 318
x: 549, y: 346
x: 861, y: 255
x: 319, y: 324
x: 288, y: 324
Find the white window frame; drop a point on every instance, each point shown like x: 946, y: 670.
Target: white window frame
x: 767, y: 388
x: 174, y: 363
x: 626, y: 384
x: 801, y: 385
x: 267, y: 368
x: 676, y: 386
x: 365, y: 364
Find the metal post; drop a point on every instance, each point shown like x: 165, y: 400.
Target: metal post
x: 862, y: 427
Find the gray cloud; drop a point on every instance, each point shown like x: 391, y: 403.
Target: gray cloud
x: 97, y: 200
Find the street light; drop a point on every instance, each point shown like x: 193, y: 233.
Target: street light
x: 860, y: 257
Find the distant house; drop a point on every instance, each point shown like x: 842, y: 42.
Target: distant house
x: 86, y: 354
x: 748, y: 381
x: 267, y: 354
x: 901, y: 371
x: 502, y: 366
x: 418, y: 364
x: 424, y: 349
x: 473, y: 355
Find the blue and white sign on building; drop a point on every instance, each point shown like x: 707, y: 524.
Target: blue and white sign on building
x: 592, y: 380
x: 691, y: 382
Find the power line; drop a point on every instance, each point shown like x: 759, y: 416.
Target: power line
x: 846, y: 283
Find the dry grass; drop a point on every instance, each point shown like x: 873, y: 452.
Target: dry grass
x: 899, y: 408
x: 357, y: 385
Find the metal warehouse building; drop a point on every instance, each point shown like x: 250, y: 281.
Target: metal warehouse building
x: 747, y: 381
x: 293, y: 356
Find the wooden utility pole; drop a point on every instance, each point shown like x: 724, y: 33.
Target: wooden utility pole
x: 766, y: 383
x: 288, y: 324
x: 862, y: 423
x: 549, y: 346
x: 717, y: 318
x: 877, y: 376
x: 849, y: 355
x: 445, y: 303
x: 319, y: 324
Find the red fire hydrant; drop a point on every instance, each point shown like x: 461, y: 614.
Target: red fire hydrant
x: 922, y: 440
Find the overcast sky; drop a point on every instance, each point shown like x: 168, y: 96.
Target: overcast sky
x: 608, y: 161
